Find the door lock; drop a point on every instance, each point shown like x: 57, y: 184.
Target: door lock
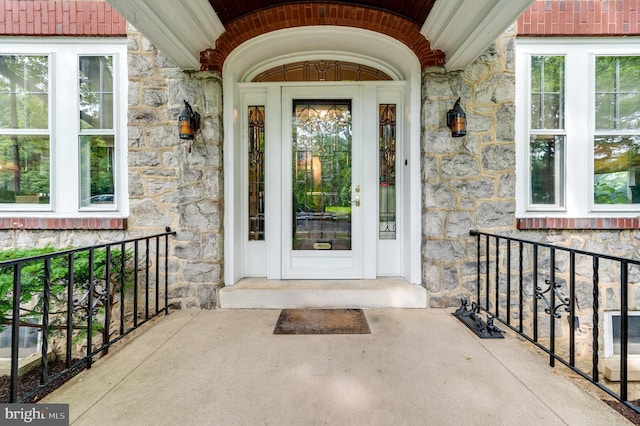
x: 356, y: 202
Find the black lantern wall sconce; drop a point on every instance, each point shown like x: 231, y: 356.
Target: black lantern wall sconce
x: 457, y: 120
x: 188, y: 122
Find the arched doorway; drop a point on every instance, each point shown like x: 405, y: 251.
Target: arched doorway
x: 389, y: 76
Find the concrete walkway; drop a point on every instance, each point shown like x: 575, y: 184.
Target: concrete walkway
x: 417, y: 367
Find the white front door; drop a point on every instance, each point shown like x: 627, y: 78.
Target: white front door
x: 325, y: 211
x: 320, y: 189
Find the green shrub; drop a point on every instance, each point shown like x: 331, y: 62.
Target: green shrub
x: 33, y: 278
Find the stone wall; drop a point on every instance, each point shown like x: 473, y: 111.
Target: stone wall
x: 468, y: 182
x: 173, y: 183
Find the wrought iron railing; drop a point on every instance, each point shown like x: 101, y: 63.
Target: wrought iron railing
x: 531, y: 287
x: 83, y: 300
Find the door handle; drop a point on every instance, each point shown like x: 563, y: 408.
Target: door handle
x: 356, y: 201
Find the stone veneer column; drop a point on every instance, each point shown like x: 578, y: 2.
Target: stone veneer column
x: 173, y: 183
x: 469, y: 182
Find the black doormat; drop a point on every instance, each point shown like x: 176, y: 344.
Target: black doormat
x: 322, y: 321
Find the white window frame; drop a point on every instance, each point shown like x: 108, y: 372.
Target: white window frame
x: 64, y: 125
x: 579, y: 123
x: 609, y: 348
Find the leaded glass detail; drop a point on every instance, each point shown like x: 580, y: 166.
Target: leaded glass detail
x: 321, y: 70
x: 387, y: 164
x: 256, y: 173
x: 321, y: 175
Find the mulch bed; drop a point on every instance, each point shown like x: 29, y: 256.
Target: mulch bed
x: 627, y: 412
x: 31, y: 380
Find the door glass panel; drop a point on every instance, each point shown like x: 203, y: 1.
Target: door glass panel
x: 256, y: 173
x: 321, y: 184
x: 387, y: 163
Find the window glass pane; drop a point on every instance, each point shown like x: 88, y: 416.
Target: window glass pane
x: 24, y: 169
x: 387, y: 164
x: 547, y: 92
x: 605, y: 111
x: 546, y: 156
x: 633, y: 334
x: 616, y: 170
x: 617, y: 92
x: 24, y: 92
x: 629, y: 115
x: 96, y: 170
x: 27, y: 340
x: 606, y: 74
x: 536, y: 74
x: 629, y: 73
x: 536, y: 110
x: 256, y: 173
x: 552, y: 111
x: 96, y: 92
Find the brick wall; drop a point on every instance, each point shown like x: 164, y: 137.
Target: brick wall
x: 303, y: 14
x: 60, y: 18
x: 581, y: 18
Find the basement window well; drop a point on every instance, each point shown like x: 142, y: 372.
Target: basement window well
x: 613, y: 334
x: 612, y: 345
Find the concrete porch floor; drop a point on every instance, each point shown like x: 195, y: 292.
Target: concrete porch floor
x: 417, y: 367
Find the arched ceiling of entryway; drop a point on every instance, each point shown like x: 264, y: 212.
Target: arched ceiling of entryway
x: 290, y: 14
x: 412, y: 10
x: 453, y: 32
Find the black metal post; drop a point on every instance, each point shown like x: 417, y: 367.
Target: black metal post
x: 508, y: 272
x: 535, y: 297
x: 135, y: 283
x: 15, y: 331
x: 624, y: 329
x: 89, y: 356
x: 552, y: 307
x: 107, y: 303
x: 146, y: 280
x: 497, y: 315
x: 157, y: 298
x: 122, y: 285
x: 478, y: 269
x: 166, y: 272
x: 572, y: 308
x: 596, y: 320
x: 46, y: 298
x: 70, y: 286
x: 486, y: 280
x: 520, y: 287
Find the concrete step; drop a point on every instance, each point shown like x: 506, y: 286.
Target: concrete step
x: 260, y: 293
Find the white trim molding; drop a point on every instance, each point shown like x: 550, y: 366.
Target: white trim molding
x: 180, y: 29
x: 463, y: 29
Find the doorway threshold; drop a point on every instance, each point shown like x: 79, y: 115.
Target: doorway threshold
x: 383, y: 292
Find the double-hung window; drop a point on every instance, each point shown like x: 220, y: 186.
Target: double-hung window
x: 578, y: 128
x: 63, y: 128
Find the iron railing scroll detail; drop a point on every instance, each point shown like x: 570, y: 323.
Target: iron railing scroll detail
x: 551, y: 281
x: 80, y: 302
x: 471, y: 318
